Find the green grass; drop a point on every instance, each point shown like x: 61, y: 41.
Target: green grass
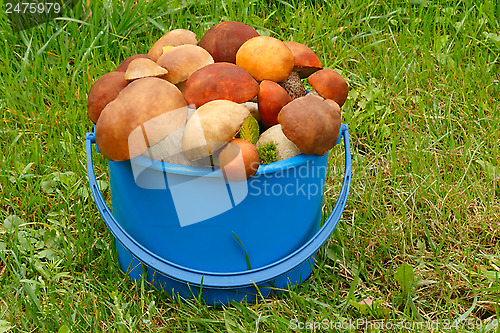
x: 419, y: 236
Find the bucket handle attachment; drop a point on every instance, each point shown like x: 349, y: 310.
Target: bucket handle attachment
x: 216, y: 279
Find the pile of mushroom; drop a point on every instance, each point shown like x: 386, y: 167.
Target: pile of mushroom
x: 217, y: 101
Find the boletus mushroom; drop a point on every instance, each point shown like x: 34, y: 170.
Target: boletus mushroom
x: 182, y: 61
x: 330, y: 85
x: 306, y: 61
x: 335, y: 106
x: 211, y: 126
x: 122, y: 67
x: 103, y: 91
x: 239, y: 160
x: 143, y: 67
x: 172, y: 38
x: 144, y: 112
x: 311, y: 124
x: 221, y: 80
x: 271, y: 98
x: 223, y: 40
x: 265, y: 58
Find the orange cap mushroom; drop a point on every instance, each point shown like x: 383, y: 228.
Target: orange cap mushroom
x: 306, y: 61
x: 221, y: 80
x: 330, y: 85
x: 271, y: 98
x: 265, y: 58
x: 239, y: 160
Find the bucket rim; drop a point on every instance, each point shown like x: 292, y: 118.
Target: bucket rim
x: 195, y: 171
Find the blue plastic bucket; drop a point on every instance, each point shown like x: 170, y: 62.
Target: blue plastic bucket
x: 197, y: 233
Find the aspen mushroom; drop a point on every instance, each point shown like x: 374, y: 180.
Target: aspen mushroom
x: 122, y: 67
x: 221, y: 80
x: 330, y: 85
x: 182, y: 61
x: 211, y: 126
x: 143, y: 67
x: 239, y: 160
x: 265, y: 58
x: 144, y: 112
x: 172, y: 38
x: 223, y: 40
x: 311, y: 124
x: 271, y: 98
x: 306, y: 61
x: 103, y: 91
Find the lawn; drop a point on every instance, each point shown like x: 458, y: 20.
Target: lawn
x: 418, y: 244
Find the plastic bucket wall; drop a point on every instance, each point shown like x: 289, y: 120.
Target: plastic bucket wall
x: 272, y: 215
x: 278, y: 230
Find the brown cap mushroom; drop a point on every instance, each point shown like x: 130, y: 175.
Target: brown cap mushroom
x: 221, y: 80
x: 122, y: 67
x: 103, y: 91
x: 265, y: 58
x: 143, y: 67
x: 223, y: 40
x: 144, y: 113
x: 306, y: 61
x: 172, y: 38
x: 211, y: 126
x: 182, y: 61
x: 330, y: 85
x: 271, y: 98
x: 311, y: 124
x: 239, y: 160
x: 335, y: 105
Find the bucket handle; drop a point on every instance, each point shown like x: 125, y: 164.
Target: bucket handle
x: 215, y: 279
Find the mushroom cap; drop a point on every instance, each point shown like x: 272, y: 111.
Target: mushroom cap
x: 103, y: 91
x: 223, y: 40
x: 239, y: 160
x: 122, y: 67
x: 311, y: 124
x: 221, y: 80
x: 335, y: 105
x: 306, y: 61
x: 211, y: 126
x: 314, y: 93
x: 284, y: 147
x: 143, y: 67
x: 144, y: 113
x: 265, y: 58
x: 330, y: 85
x: 172, y: 38
x: 182, y: 61
x: 272, y: 97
